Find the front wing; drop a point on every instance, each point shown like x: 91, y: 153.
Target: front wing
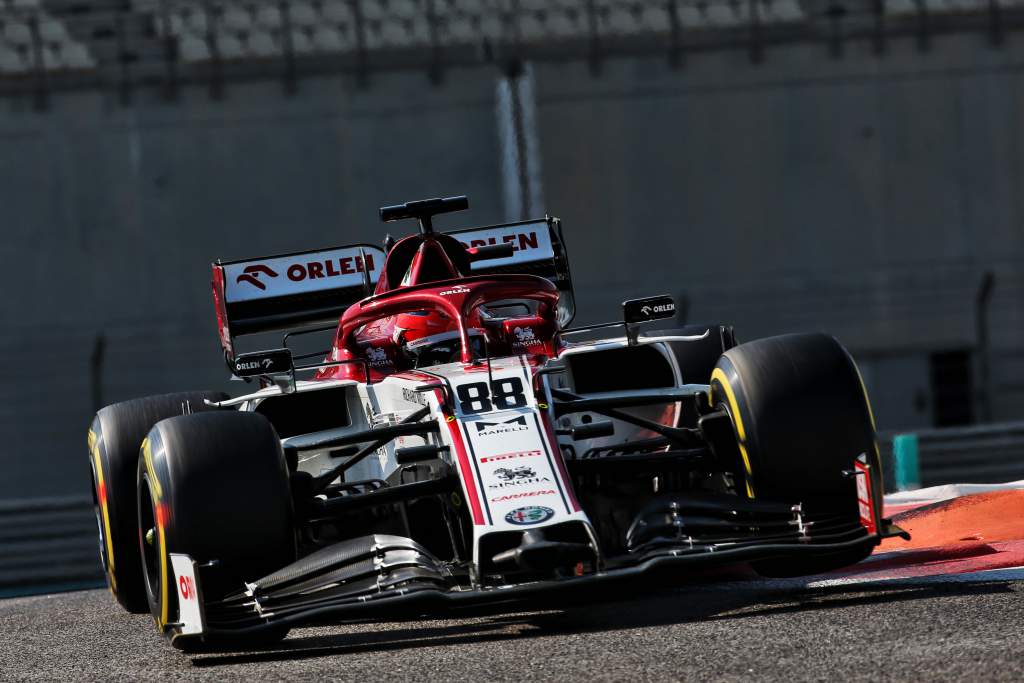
x: 387, y: 576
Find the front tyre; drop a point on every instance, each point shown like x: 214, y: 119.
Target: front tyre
x: 800, y: 416
x: 115, y: 435
x: 213, y: 486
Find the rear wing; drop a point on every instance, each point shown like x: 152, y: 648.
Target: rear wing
x: 538, y: 249
x: 291, y: 290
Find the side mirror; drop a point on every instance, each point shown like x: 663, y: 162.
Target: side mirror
x: 263, y: 363
x: 648, y: 309
x: 645, y: 310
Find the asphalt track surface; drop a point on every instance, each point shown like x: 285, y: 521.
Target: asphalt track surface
x: 911, y: 630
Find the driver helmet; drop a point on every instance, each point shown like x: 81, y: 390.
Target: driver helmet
x: 410, y: 327
x: 445, y: 347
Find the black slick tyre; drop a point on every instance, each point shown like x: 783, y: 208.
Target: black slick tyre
x: 213, y: 486
x: 801, y: 416
x: 115, y: 435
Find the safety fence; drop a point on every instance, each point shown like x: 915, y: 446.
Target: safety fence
x: 982, y: 454
x: 48, y: 543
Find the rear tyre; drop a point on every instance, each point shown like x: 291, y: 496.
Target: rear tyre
x: 801, y: 416
x: 114, y: 438
x: 213, y: 486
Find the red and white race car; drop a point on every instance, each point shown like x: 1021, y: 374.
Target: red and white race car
x: 459, y: 444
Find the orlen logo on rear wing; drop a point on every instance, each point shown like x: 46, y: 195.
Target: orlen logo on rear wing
x: 315, y: 271
x: 538, y: 249
x: 531, y: 242
x: 278, y: 292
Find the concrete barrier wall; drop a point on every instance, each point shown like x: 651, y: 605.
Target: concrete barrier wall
x: 112, y: 216
x: 863, y: 196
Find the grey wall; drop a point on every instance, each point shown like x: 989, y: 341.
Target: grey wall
x: 863, y: 196
x: 111, y: 218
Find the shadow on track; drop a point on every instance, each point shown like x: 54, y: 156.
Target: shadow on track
x: 636, y: 610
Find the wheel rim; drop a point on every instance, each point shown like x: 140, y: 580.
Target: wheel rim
x: 148, y: 547
x: 98, y: 514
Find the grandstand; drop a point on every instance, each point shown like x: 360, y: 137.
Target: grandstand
x: 56, y: 44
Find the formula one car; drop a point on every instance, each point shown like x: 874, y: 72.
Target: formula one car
x: 459, y: 444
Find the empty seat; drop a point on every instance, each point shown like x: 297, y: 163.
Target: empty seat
x: 236, y: 19
x: 396, y: 33
x: 372, y: 10
x: 11, y: 61
x: 77, y: 56
x: 329, y: 39
x: 531, y: 27
x: 262, y: 44
x: 24, y: 4
x: 197, y: 22
x: 302, y: 43
x: 720, y: 13
x: 336, y: 12
x: 689, y: 16
x: 405, y: 9
x: 173, y: 25
x: 302, y: 14
x: 492, y: 26
x: 459, y: 28
x: 781, y: 11
x: 900, y: 7
x: 269, y: 17
x: 193, y: 48
x: 17, y: 33
x: 655, y: 18
x: 229, y: 46
x: 563, y: 23
x: 741, y: 11
x: 966, y: 5
x: 617, y: 20
x: 393, y: 33
x: 52, y: 31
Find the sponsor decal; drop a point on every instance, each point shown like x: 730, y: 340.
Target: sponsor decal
x: 187, y: 588
x: 523, y: 472
x: 413, y: 397
x: 518, y: 476
x: 273, y: 362
x: 509, y: 456
x: 458, y: 289
x: 525, y: 337
x: 251, y: 275
x: 307, y: 270
x: 516, y: 424
x: 865, y: 503
x: 264, y: 364
x: 533, y: 514
x: 377, y: 357
x: 300, y: 273
x: 520, y: 241
x: 528, y: 494
x: 662, y: 308
x: 335, y: 267
x: 650, y: 308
